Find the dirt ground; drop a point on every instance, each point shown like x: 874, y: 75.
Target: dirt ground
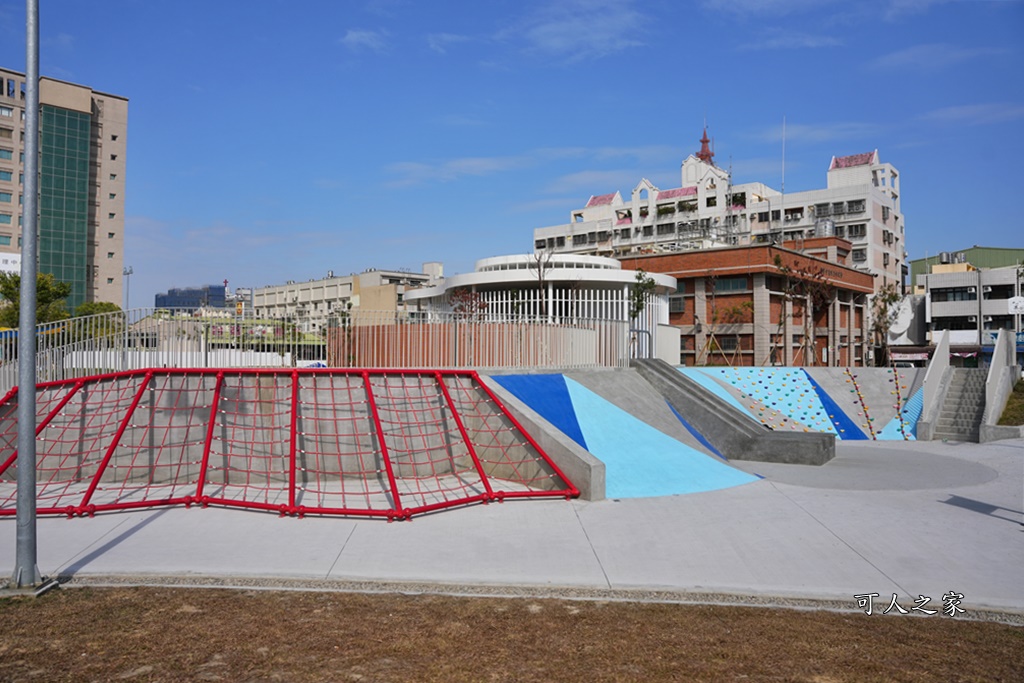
x: 176, y: 634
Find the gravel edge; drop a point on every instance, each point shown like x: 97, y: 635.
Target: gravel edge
x: 640, y: 595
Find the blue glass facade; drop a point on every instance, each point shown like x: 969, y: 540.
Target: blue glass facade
x: 209, y: 296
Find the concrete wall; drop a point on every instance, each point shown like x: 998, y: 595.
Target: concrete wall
x: 734, y: 435
x: 586, y: 472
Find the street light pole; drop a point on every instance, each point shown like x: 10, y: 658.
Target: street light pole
x: 128, y: 272
x: 26, y: 573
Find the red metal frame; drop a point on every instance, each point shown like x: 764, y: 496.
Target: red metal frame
x: 435, y: 490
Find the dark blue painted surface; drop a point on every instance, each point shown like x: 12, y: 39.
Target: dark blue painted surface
x: 700, y: 437
x: 548, y: 395
x: 847, y: 428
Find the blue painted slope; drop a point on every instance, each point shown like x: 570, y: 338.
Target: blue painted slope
x: 784, y: 390
x: 712, y: 384
x: 546, y: 394
x: 640, y: 461
x: 848, y: 429
x: 907, y: 418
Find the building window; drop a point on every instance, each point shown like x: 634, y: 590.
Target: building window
x: 5, y: 219
x: 955, y: 294
x: 6, y: 133
x: 5, y: 197
x: 676, y: 304
x: 113, y: 176
x: 5, y: 175
x: 110, y: 216
x: 860, y: 255
x: 712, y: 201
x: 112, y: 195
x: 858, y: 230
x: 113, y: 138
x: 110, y: 280
x: 110, y: 235
x: 6, y: 112
x: 727, y: 343
x: 113, y: 157
x: 730, y: 284
x: 855, y: 206
x: 110, y: 254
x: 6, y: 154
x: 5, y: 240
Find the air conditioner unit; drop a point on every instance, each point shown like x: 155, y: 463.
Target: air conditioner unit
x: 972, y: 318
x: 972, y: 290
x: 987, y: 318
x: 986, y: 289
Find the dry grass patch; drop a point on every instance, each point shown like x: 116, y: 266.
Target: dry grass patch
x: 1013, y: 414
x: 164, y: 634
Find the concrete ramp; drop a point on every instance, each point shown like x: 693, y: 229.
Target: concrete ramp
x: 640, y: 460
x: 850, y: 403
x: 630, y: 392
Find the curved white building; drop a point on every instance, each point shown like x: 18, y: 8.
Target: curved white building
x: 545, y: 287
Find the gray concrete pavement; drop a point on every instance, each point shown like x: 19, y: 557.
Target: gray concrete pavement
x: 915, y: 518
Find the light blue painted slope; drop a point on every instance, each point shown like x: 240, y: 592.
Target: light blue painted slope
x: 640, y: 461
x: 908, y: 418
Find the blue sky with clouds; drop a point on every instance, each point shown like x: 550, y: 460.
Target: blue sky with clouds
x: 272, y: 140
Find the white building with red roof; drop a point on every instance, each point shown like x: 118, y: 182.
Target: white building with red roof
x: 860, y: 203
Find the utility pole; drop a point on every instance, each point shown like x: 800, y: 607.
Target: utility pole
x: 26, y: 573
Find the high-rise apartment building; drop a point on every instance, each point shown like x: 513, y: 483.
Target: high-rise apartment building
x: 82, y: 146
x: 860, y: 203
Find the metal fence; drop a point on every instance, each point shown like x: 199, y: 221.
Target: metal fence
x: 160, y: 338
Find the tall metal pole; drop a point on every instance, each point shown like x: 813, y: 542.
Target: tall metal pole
x: 26, y: 573
x: 128, y: 272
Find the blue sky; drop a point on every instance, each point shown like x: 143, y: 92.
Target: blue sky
x: 272, y: 141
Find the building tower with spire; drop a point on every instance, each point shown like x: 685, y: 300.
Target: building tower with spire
x: 705, y: 154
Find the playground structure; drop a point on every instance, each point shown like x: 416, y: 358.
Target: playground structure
x: 398, y: 442
x: 385, y: 443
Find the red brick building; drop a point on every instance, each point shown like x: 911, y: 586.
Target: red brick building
x: 800, y: 303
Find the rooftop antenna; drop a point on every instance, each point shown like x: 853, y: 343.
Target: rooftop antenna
x: 782, y: 200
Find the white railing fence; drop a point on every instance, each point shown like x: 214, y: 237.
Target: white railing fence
x: 159, y: 338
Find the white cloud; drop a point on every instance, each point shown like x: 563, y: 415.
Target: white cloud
x: 763, y: 7
x: 594, y: 182
x: 358, y: 40
x: 414, y: 172
x: 933, y: 56
x: 61, y: 41
x: 977, y: 114
x: 896, y: 9
x: 780, y: 39
x: 578, y: 30
x: 460, y: 120
x: 813, y: 133
x: 440, y: 42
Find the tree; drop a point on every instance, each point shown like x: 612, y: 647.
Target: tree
x: 96, y: 308
x: 540, y: 265
x: 50, y: 295
x: 883, y: 312
x: 98, y: 319
x: 642, y: 290
x: 467, y: 304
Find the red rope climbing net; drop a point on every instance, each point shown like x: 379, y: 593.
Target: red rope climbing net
x: 388, y: 443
